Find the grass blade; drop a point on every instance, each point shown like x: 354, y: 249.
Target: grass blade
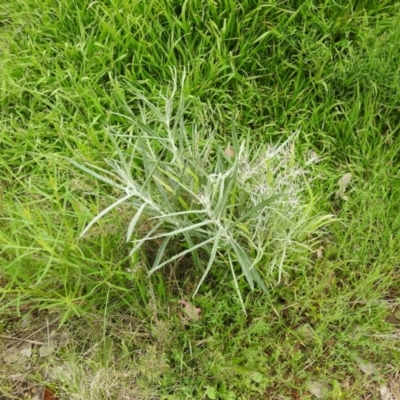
x: 189, y: 228
x: 104, y: 212
x: 134, y: 221
x: 244, y: 262
x: 210, y: 261
x: 256, y: 208
x: 160, y: 253
x: 181, y: 254
x: 235, y: 282
x: 96, y: 175
x: 140, y: 242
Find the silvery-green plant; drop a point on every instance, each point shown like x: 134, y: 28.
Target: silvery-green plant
x: 244, y: 206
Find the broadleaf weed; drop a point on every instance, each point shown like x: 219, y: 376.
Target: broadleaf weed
x: 246, y: 208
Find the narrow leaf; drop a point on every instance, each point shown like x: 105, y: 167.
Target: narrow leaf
x: 236, y: 284
x: 185, y: 229
x: 261, y: 37
x: 178, y: 181
x: 96, y: 175
x: 160, y: 252
x: 256, y: 208
x: 126, y: 167
x: 104, y: 212
x: 171, y: 190
x: 140, y: 242
x: 195, y: 254
x: 134, y: 221
x: 210, y: 261
x: 153, y: 108
x: 244, y: 262
x: 258, y: 280
x: 181, y: 254
x: 190, y: 212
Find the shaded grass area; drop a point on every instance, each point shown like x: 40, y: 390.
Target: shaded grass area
x: 329, y: 70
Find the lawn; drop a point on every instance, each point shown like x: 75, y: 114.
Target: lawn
x: 199, y: 199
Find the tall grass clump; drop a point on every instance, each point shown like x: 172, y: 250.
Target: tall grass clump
x: 244, y: 207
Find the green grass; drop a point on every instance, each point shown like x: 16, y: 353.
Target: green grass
x: 329, y: 70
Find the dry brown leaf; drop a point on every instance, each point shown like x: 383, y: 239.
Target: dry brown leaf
x: 47, y: 349
x: 343, y: 182
x: 385, y: 393
x: 192, y: 312
x: 229, y: 152
x: 48, y: 394
x: 366, y: 367
x: 26, y: 350
x: 318, y: 389
x: 306, y: 331
x: 12, y: 355
x: 26, y: 321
